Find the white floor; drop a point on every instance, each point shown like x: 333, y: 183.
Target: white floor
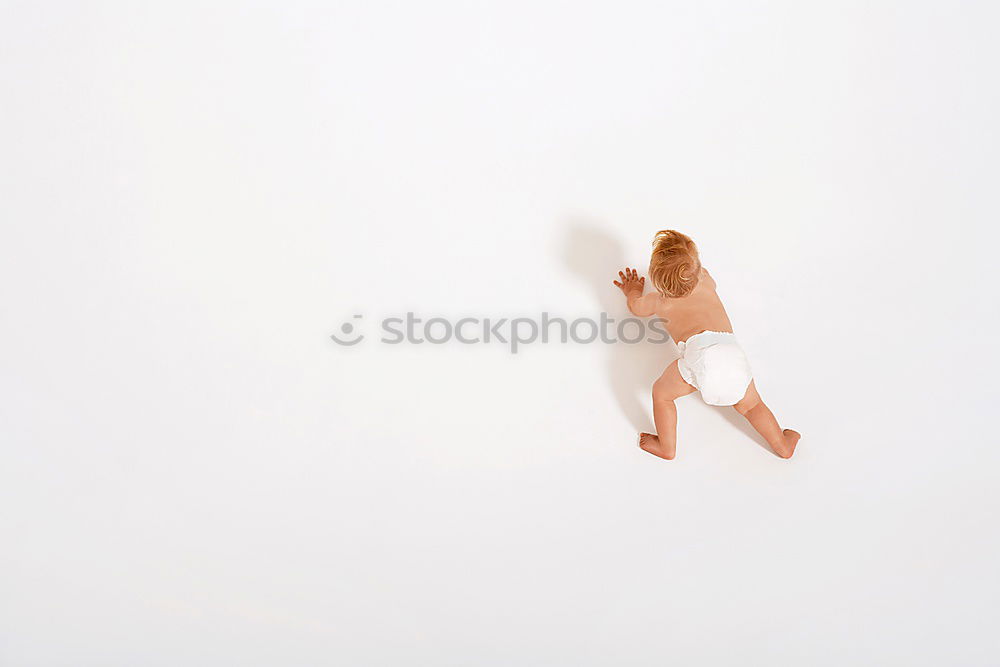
x: 193, y: 200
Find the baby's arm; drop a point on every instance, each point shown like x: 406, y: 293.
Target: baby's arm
x: 632, y: 285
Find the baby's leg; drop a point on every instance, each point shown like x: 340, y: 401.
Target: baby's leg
x: 760, y: 417
x: 670, y: 386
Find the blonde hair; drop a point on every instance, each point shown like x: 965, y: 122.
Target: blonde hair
x: 674, y: 266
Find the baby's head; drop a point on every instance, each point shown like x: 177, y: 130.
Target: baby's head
x: 674, y: 266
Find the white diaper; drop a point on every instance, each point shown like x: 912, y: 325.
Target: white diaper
x: 714, y: 362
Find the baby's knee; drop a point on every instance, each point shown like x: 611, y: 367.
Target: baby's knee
x: 662, y: 393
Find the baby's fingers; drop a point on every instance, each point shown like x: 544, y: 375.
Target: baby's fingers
x: 617, y: 284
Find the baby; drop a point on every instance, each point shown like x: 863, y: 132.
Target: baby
x: 711, y: 360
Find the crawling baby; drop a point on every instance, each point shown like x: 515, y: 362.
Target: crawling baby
x: 711, y: 360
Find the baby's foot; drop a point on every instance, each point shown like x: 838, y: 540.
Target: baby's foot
x: 651, y: 444
x: 788, y: 446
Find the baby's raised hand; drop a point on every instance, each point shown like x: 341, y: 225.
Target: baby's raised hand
x: 630, y: 282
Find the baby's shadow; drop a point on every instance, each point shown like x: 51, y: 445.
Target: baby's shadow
x: 740, y: 423
x: 596, y: 257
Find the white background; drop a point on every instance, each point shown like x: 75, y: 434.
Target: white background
x: 193, y: 198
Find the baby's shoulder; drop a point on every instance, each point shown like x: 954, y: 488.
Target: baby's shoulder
x: 707, y: 277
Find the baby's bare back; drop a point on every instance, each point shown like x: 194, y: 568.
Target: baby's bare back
x: 701, y: 310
